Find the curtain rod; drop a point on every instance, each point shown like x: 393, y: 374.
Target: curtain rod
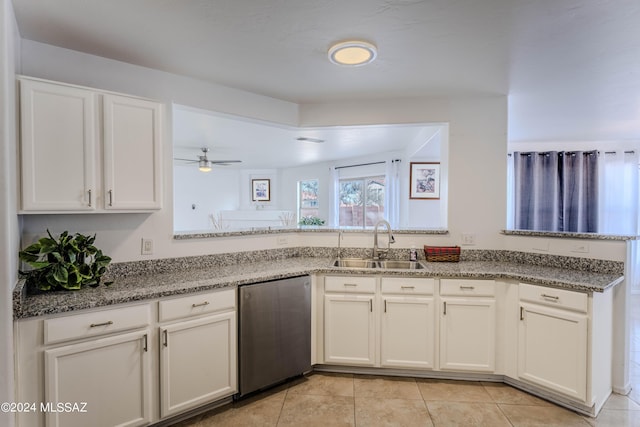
x: 588, y: 152
x: 365, y: 164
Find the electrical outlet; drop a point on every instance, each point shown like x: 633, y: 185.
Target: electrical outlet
x: 468, y: 239
x: 147, y: 247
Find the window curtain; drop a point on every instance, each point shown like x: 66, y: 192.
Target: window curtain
x: 392, y: 192
x: 556, y: 191
x: 619, y: 195
x: 333, y: 197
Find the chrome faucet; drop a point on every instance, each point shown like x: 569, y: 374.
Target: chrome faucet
x: 377, y: 252
x: 339, y: 239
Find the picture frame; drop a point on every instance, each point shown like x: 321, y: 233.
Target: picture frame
x: 260, y: 190
x: 424, y: 180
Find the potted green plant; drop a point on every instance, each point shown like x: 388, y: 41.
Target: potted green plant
x: 68, y: 262
x: 311, y: 220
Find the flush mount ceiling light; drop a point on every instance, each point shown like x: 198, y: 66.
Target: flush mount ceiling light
x: 352, y: 53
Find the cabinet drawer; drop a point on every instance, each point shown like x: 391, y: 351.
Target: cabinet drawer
x: 552, y: 297
x: 410, y: 286
x: 95, y: 323
x: 467, y: 287
x: 350, y: 284
x: 197, y: 304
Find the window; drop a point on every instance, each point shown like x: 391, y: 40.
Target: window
x: 307, y: 198
x: 361, y: 201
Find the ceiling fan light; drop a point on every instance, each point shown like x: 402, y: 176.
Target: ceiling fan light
x: 204, y: 165
x: 353, y: 53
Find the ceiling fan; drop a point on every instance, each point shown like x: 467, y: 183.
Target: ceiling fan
x: 204, y: 164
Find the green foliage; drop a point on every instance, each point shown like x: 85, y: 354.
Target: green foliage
x: 66, y: 263
x: 311, y: 220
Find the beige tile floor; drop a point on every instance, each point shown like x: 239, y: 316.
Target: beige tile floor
x: 323, y: 399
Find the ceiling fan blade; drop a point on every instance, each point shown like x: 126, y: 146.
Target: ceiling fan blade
x: 224, y: 162
x: 187, y: 160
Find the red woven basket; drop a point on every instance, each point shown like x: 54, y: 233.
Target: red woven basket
x: 442, y: 253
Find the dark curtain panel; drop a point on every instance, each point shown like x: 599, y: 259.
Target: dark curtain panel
x: 579, y: 191
x: 556, y: 191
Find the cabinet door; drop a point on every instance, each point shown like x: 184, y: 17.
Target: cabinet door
x: 408, y: 332
x: 349, y: 329
x: 58, y: 140
x: 467, y: 334
x: 198, y: 362
x: 553, y: 349
x: 112, y: 375
x: 132, y: 153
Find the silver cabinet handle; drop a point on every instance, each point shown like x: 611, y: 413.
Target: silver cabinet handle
x: 350, y: 284
x: 371, y: 306
x: 166, y: 338
x: 551, y: 297
x: 95, y: 325
x: 200, y: 305
x: 470, y: 288
x: 445, y: 308
x: 89, y: 198
x: 521, y: 313
x: 385, y: 306
x: 145, y: 347
x: 110, y: 197
x: 407, y: 287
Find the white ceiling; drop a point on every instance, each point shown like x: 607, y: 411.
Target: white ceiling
x: 266, y: 145
x: 571, y: 68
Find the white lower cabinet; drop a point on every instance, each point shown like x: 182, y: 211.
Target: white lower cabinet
x: 131, y: 365
x: 407, y: 335
x: 553, y: 340
x: 349, y: 320
x: 103, y: 382
x: 467, y: 325
x: 197, y: 362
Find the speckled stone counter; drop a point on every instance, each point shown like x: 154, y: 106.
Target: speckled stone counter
x: 145, y: 280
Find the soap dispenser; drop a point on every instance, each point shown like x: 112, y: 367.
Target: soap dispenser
x: 413, y: 254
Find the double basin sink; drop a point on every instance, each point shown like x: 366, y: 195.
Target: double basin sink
x: 369, y: 263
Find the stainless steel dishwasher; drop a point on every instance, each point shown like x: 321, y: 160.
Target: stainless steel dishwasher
x: 274, y: 332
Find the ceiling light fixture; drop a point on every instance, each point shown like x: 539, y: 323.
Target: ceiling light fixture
x: 352, y: 53
x: 309, y: 139
x: 204, y: 165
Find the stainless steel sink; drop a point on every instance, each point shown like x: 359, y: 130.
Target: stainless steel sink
x: 368, y: 263
x: 407, y: 265
x: 355, y: 263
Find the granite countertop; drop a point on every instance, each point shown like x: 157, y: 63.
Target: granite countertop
x: 141, y: 287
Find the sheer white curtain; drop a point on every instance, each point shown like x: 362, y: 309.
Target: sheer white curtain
x: 619, y: 196
x: 510, y: 193
x: 392, y: 192
x: 334, y: 208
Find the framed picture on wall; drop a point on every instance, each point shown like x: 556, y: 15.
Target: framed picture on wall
x: 424, y: 180
x: 260, y: 190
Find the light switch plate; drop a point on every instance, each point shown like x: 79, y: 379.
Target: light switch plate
x: 147, y: 247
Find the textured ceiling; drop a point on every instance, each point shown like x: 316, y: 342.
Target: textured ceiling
x: 570, y: 67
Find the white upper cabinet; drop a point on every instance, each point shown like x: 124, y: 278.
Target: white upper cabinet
x: 131, y: 153
x: 58, y: 143
x: 83, y: 150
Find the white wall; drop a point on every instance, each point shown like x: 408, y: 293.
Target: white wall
x: 120, y: 235
x: 9, y: 225
x: 476, y: 156
x: 210, y: 192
